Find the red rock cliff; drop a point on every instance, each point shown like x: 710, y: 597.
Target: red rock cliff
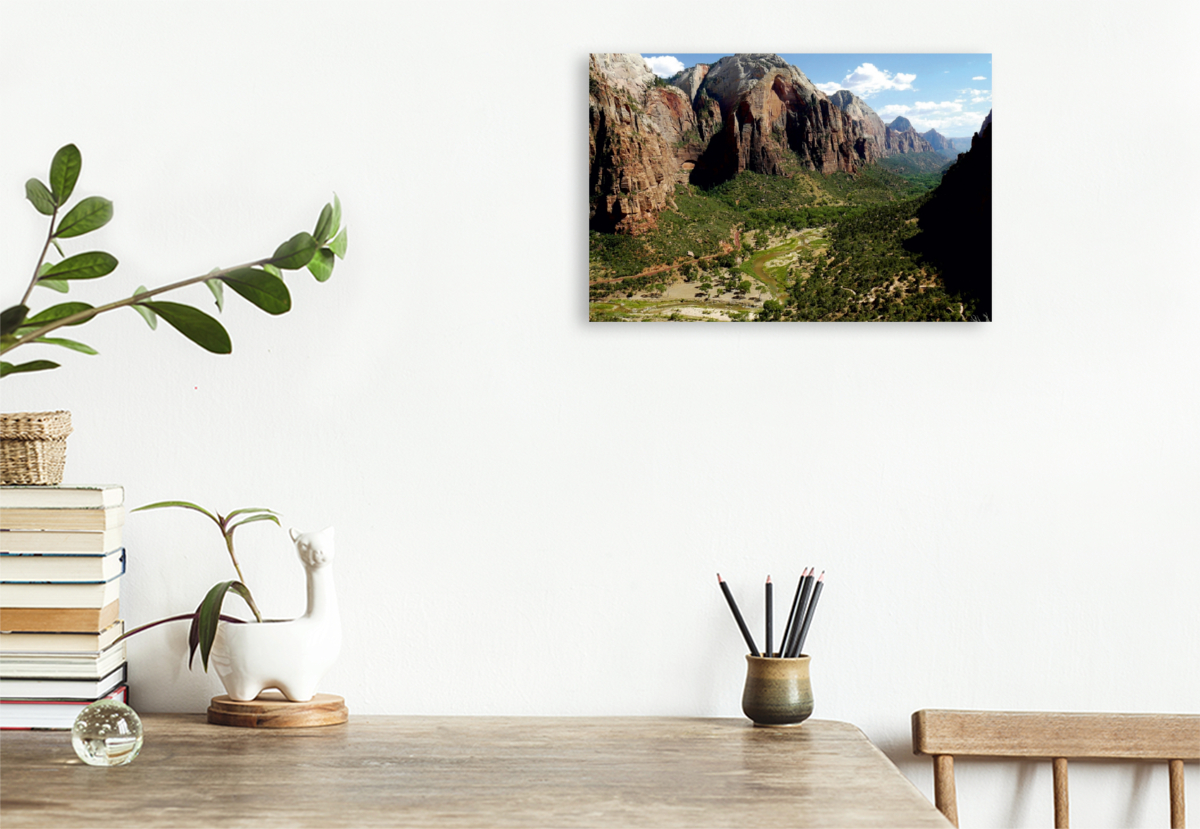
x: 635, y: 125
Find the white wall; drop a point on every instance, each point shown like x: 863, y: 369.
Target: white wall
x: 531, y: 509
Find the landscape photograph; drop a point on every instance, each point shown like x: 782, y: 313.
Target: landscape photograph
x: 790, y: 187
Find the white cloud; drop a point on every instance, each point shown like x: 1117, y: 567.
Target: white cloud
x: 889, y: 112
x: 944, y: 106
x: 947, y: 117
x: 979, y: 78
x: 867, y: 79
x: 664, y: 65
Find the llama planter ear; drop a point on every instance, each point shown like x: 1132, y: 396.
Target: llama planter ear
x: 291, y: 656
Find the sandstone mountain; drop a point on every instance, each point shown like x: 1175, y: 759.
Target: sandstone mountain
x: 890, y: 139
x: 744, y: 112
x: 942, y: 145
x: 857, y: 108
x: 902, y: 137
x: 633, y: 126
x: 938, y: 141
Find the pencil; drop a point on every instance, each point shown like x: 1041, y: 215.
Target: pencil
x: 808, y: 616
x: 789, y: 647
x: 791, y: 622
x: 770, y: 613
x: 737, y: 615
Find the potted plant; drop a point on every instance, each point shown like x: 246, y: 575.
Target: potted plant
x: 33, y: 444
x: 249, y: 657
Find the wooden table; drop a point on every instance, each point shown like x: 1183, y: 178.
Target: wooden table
x: 466, y: 771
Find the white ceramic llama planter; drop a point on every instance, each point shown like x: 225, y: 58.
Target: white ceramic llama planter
x: 291, y: 655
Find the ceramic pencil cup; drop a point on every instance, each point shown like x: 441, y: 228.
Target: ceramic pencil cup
x: 778, y: 691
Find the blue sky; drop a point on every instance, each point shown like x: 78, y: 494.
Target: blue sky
x: 949, y: 93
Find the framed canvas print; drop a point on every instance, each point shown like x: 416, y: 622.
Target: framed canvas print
x: 790, y: 187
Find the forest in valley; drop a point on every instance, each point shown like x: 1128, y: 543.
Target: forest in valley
x: 906, y: 239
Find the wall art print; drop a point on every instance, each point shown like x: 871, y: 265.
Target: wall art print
x: 793, y: 187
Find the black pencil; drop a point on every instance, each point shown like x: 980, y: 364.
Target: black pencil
x: 791, y: 622
x: 789, y: 647
x: 770, y: 614
x: 737, y: 615
x: 808, y: 616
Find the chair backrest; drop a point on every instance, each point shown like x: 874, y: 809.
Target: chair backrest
x: 945, y: 735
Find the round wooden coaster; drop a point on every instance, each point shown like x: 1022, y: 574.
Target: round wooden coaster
x: 271, y: 709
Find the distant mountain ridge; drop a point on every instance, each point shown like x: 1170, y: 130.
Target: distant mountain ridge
x: 890, y: 139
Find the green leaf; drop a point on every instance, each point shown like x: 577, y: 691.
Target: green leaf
x: 208, y: 615
x: 39, y: 195
x: 295, y: 252
x: 338, y: 245
x: 11, y: 319
x: 60, y: 285
x: 36, y: 365
x: 261, y: 288
x: 65, y: 343
x: 182, y: 504
x: 64, y: 172
x: 194, y: 324
x: 89, y: 265
x: 322, y: 264
x: 91, y: 213
x: 218, y: 292
x: 271, y: 269
x: 245, y: 510
x: 252, y: 519
x: 56, y: 312
x: 337, y: 214
x: 149, y: 316
x: 324, y: 228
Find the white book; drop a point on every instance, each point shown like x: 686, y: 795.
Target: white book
x: 50, y: 714
x: 59, y: 595
x: 59, y: 541
x: 48, y: 644
x: 69, y: 519
x: 63, y: 666
x: 33, y: 568
x: 61, y: 688
x: 99, y: 496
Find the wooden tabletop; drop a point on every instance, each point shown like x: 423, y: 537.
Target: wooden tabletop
x: 466, y: 771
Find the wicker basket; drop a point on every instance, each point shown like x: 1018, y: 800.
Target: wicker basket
x: 33, y: 447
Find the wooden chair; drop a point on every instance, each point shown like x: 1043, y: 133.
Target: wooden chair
x: 945, y: 735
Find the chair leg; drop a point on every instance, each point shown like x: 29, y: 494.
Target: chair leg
x: 943, y: 787
x: 1178, y: 821
x: 1062, y: 808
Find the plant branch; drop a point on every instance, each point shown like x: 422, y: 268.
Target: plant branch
x: 37, y: 269
x: 178, y: 618
x: 133, y: 300
x: 233, y: 557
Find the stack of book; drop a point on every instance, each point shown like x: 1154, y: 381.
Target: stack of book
x: 61, y: 562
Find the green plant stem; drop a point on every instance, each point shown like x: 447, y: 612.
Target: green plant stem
x: 238, y: 567
x: 37, y: 269
x: 133, y: 300
x: 178, y: 618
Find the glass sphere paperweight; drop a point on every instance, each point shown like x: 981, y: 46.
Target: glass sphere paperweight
x: 107, y: 733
